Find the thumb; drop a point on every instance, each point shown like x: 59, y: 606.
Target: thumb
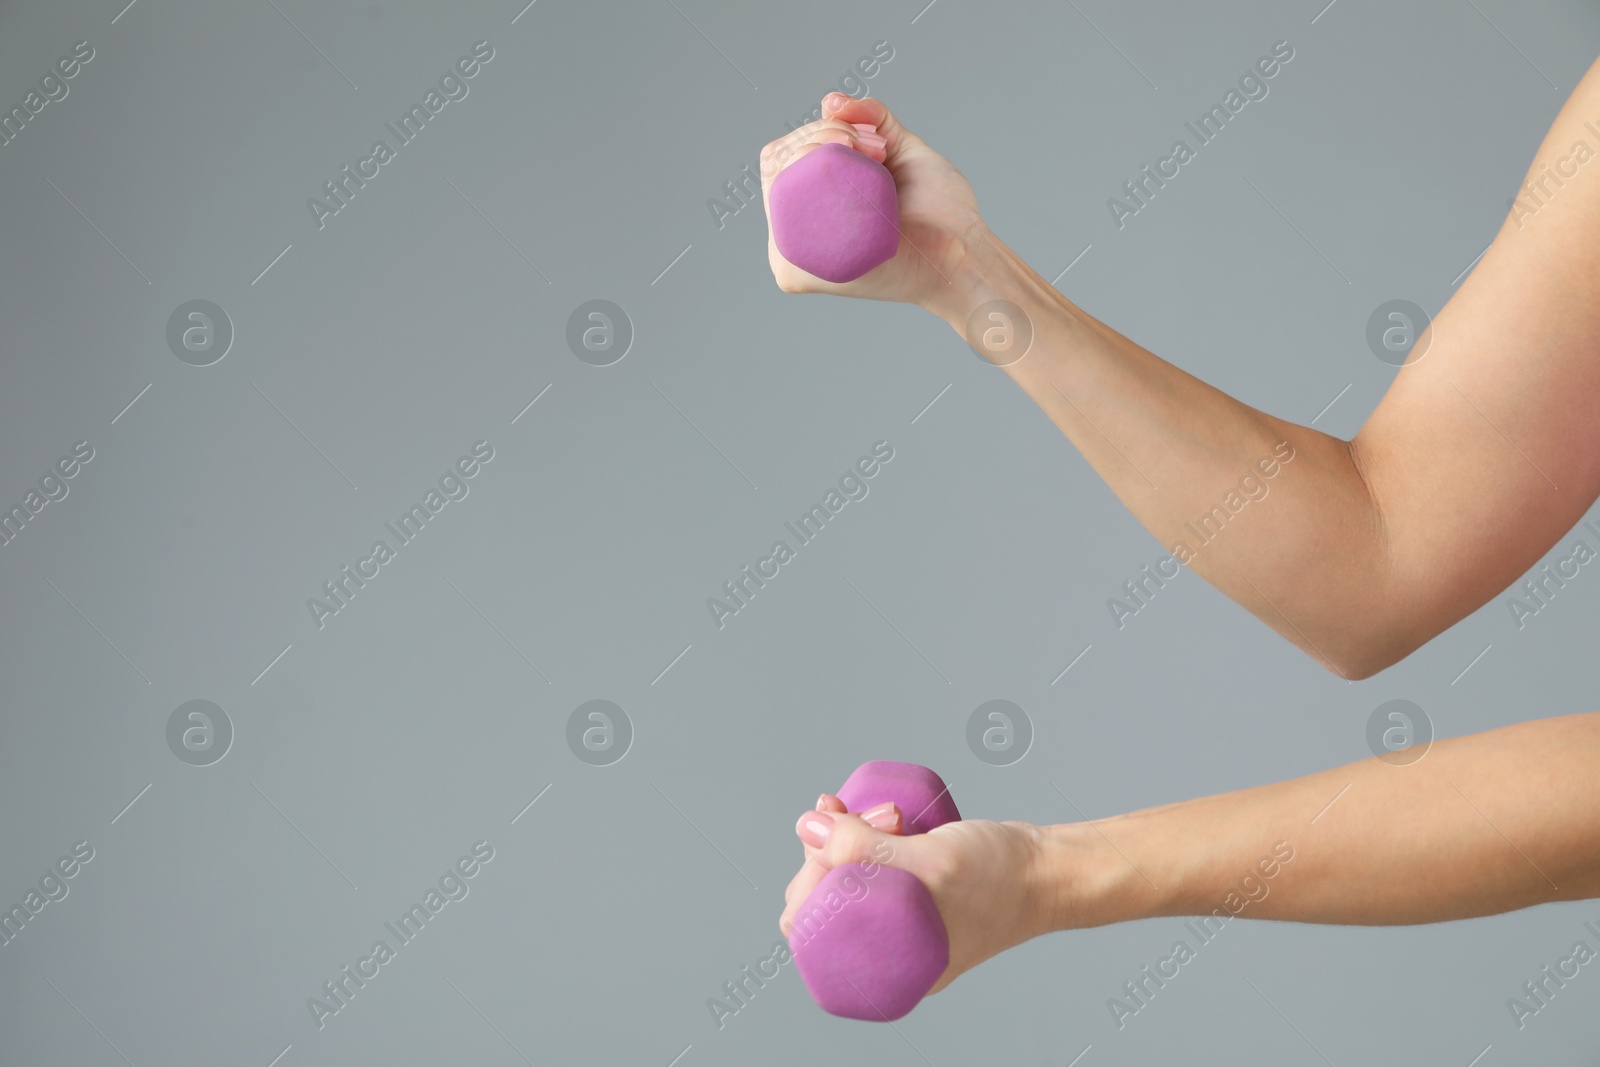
x: 842, y: 838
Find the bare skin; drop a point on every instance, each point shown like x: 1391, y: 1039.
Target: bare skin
x: 1481, y: 455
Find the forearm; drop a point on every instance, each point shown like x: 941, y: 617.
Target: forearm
x: 1275, y: 515
x: 1482, y: 824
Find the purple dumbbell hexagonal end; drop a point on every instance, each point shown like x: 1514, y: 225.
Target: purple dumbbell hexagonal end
x: 834, y: 213
x: 869, y: 942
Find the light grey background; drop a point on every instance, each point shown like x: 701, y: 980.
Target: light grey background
x: 427, y: 714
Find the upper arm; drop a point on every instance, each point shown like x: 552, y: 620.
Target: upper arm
x: 1487, y: 448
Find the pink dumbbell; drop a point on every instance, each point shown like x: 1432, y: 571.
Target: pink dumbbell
x: 835, y: 213
x: 868, y: 942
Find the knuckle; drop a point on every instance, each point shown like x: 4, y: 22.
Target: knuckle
x: 846, y: 844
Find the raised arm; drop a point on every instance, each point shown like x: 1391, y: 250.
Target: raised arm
x: 1483, y: 452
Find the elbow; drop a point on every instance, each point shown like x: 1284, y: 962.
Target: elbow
x: 1359, y: 657
x: 1382, y: 620
x: 1360, y: 667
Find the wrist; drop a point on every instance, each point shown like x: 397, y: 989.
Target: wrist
x: 979, y: 267
x: 976, y: 284
x: 1084, y: 879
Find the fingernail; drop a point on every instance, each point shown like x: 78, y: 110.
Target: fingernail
x: 814, y: 828
x: 885, y: 817
x: 835, y: 101
x: 865, y: 127
x: 872, y: 140
x: 820, y: 801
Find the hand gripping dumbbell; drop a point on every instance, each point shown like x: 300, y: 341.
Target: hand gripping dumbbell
x: 868, y: 942
x: 835, y: 213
